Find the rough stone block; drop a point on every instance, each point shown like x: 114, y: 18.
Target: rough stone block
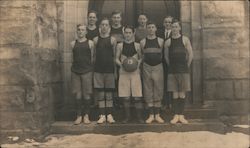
x: 10, y: 53
x: 223, y: 68
x: 223, y: 14
x: 233, y: 107
x: 23, y: 14
x: 218, y: 90
x: 23, y: 3
x: 242, y: 89
x: 12, y: 98
x: 218, y: 53
x: 15, y: 34
x: 225, y: 38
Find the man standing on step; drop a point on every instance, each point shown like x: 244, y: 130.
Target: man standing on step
x: 117, y: 27
x: 104, y: 79
x: 178, y: 55
x: 141, y: 31
x: 152, y: 73
x: 82, y: 69
x: 91, y: 28
x: 129, y: 84
x: 165, y: 33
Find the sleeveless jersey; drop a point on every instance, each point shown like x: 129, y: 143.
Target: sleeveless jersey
x: 117, y: 33
x: 92, y: 33
x: 104, y: 56
x: 81, y: 58
x: 178, y: 56
x: 152, y: 52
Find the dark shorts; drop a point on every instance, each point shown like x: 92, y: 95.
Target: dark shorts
x: 179, y: 82
x: 82, y: 83
x: 104, y: 80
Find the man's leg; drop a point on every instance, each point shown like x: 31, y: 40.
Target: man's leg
x: 139, y: 109
x: 109, y: 106
x: 101, y: 103
x: 126, y: 104
x: 181, y: 104
x: 87, y: 103
x: 175, y: 108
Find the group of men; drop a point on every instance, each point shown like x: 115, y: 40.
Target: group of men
x: 162, y: 58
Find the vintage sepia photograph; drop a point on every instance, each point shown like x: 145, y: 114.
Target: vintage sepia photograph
x: 124, y: 74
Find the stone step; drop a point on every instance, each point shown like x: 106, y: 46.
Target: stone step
x: 66, y: 127
x: 190, y: 113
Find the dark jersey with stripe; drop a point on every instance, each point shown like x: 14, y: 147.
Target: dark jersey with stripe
x: 152, y: 52
x: 104, y: 62
x: 92, y: 33
x: 81, y: 58
x: 178, y: 56
x: 128, y: 49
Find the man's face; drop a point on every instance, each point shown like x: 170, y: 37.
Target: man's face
x: 167, y: 23
x: 151, y: 28
x: 81, y: 31
x: 176, y: 28
x: 104, y: 26
x: 142, y: 20
x: 116, y: 19
x: 128, y: 34
x: 92, y: 19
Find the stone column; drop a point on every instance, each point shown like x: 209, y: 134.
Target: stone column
x: 30, y: 75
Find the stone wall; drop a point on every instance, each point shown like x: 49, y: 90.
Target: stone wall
x: 226, y: 57
x: 30, y: 75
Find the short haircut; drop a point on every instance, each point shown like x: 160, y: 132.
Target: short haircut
x: 78, y: 25
x: 116, y: 12
x: 129, y: 27
x: 168, y: 16
x: 151, y: 23
x: 105, y: 18
x: 177, y: 21
x: 143, y: 14
x: 92, y: 11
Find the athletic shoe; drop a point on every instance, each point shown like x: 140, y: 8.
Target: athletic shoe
x: 86, y: 119
x: 175, y: 119
x: 102, y: 119
x: 158, y: 118
x: 150, y: 119
x: 110, y: 118
x: 78, y: 120
x: 182, y: 119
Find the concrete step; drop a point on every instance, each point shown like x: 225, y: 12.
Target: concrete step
x: 191, y: 113
x: 66, y: 127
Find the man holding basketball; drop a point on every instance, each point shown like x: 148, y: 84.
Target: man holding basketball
x: 128, y: 57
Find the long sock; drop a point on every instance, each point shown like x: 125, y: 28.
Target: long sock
x: 102, y: 111
x: 175, y: 106
x: 87, y: 106
x: 181, y: 106
x: 109, y: 110
x: 151, y: 110
x: 157, y: 110
x: 78, y: 107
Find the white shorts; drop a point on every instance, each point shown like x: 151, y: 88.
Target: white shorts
x: 130, y: 85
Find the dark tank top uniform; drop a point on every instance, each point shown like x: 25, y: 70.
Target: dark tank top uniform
x: 92, y: 33
x: 178, y: 56
x: 81, y: 58
x: 152, y: 52
x: 117, y: 33
x: 104, y: 56
x: 128, y: 49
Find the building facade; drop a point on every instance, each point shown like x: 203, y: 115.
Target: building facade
x: 35, y: 58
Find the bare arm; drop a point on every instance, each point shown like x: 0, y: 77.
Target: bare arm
x: 72, y: 45
x: 94, y: 53
x: 161, y: 42
x: 166, y: 50
x: 189, y: 49
x: 92, y: 49
x: 118, y: 54
x: 142, y: 45
x: 139, y: 51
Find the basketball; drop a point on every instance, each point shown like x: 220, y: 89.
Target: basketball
x: 130, y: 64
